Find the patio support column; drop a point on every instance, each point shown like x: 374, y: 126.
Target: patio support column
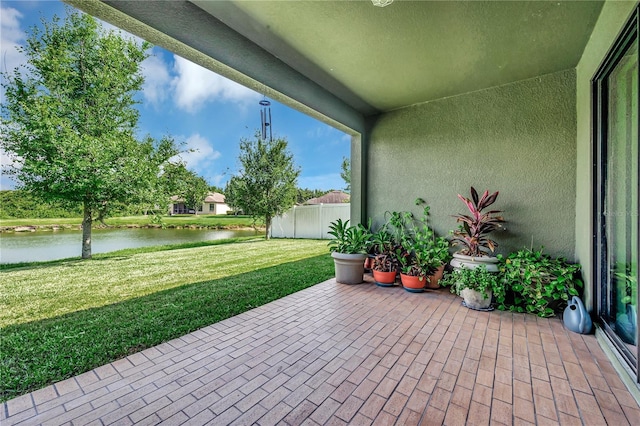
x: 359, y: 173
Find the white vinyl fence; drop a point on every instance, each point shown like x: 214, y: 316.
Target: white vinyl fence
x: 309, y: 221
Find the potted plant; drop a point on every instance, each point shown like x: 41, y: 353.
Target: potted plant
x: 472, y: 233
x: 476, y: 286
x: 540, y: 284
x: 426, y: 256
x: 348, y: 249
x: 385, y: 262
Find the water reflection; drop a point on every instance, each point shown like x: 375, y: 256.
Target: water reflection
x: 45, y: 245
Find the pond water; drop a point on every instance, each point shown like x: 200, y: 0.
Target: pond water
x: 51, y: 245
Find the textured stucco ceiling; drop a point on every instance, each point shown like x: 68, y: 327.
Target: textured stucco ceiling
x: 342, y: 61
x: 414, y: 51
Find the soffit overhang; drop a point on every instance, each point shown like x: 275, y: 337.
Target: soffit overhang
x: 348, y: 60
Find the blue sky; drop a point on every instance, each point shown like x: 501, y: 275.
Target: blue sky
x: 207, y: 112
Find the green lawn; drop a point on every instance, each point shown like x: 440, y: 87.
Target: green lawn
x: 63, y: 318
x: 213, y: 221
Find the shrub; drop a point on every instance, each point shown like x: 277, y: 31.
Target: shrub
x: 540, y: 284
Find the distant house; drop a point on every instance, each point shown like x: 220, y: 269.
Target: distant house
x: 333, y: 197
x: 214, y: 203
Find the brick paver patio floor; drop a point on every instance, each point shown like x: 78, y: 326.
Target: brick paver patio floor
x: 350, y: 354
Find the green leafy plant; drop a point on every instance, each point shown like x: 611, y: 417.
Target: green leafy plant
x: 630, y: 282
x: 347, y: 239
x: 478, y: 279
x: 541, y: 284
x: 425, y: 252
x: 472, y: 233
x: 398, y: 225
x: 385, y: 251
x: 387, y: 242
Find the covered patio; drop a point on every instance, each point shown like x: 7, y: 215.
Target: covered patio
x: 350, y: 354
x: 437, y: 97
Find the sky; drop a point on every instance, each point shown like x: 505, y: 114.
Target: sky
x: 203, y: 110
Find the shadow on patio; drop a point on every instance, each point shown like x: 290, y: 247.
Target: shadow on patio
x: 359, y: 354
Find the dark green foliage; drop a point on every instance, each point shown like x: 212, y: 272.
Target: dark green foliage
x: 190, y: 188
x: 305, y: 194
x: 540, y: 284
x: 345, y: 173
x: 39, y: 353
x: 18, y: 204
x: 214, y: 188
x: 21, y: 204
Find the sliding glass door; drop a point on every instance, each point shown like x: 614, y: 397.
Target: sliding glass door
x: 616, y: 209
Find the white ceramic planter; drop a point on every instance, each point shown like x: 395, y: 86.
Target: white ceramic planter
x: 349, y: 267
x: 475, y: 299
x: 460, y: 261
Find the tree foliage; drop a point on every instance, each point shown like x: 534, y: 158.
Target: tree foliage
x: 69, y: 119
x: 215, y: 188
x: 190, y: 188
x: 305, y: 194
x: 18, y: 204
x: 267, y: 183
x: 345, y: 173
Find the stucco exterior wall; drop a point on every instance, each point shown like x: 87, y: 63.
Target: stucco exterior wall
x: 612, y: 18
x: 519, y: 139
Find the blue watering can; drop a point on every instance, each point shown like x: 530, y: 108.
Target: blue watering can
x: 576, y: 318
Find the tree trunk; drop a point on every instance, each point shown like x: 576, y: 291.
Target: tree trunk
x: 86, y: 232
x: 267, y: 221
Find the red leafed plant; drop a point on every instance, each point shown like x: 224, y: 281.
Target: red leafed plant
x: 472, y: 233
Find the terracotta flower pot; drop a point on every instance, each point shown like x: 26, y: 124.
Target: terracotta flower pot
x: 384, y: 279
x: 368, y: 263
x: 413, y: 283
x: 433, y: 281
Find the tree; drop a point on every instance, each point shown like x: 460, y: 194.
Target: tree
x: 18, y: 204
x: 196, y: 193
x: 185, y: 184
x: 215, y: 188
x: 69, y: 119
x: 267, y: 182
x: 305, y: 194
x: 345, y: 174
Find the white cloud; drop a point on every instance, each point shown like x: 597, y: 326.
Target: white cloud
x: 318, y: 132
x: 11, y: 37
x: 324, y: 131
x: 199, y: 153
x: 6, y: 161
x: 219, y: 180
x: 194, y: 86
x: 156, y: 80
